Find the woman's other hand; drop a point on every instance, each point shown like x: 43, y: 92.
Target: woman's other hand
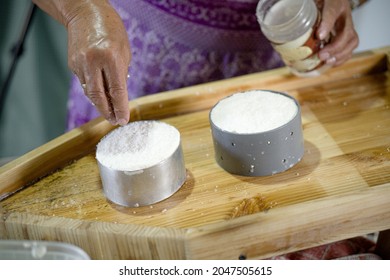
x: 337, y: 18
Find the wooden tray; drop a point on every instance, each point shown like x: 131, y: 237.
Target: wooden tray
x: 340, y: 189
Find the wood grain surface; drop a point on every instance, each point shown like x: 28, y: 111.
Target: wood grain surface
x: 340, y: 189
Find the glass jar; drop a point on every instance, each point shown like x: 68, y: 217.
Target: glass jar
x: 290, y: 26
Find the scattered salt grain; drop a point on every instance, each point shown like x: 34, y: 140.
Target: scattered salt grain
x: 138, y: 145
x: 253, y: 111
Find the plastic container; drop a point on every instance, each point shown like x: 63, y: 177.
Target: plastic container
x: 258, y: 153
x: 40, y: 250
x: 290, y: 26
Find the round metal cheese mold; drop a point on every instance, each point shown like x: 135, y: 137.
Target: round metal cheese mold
x: 144, y: 186
x: 259, y: 154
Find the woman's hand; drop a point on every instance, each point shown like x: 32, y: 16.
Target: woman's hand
x: 337, y: 18
x: 98, y: 52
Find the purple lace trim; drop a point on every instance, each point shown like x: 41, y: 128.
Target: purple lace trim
x: 233, y: 15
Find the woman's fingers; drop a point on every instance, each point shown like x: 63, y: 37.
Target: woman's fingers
x: 96, y: 93
x: 337, y: 19
x: 115, y: 81
x: 107, y: 90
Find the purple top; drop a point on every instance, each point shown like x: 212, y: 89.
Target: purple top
x: 178, y: 43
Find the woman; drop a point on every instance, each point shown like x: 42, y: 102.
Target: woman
x: 176, y: 44
x: 173, y: 44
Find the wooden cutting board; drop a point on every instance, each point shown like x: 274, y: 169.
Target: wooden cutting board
x: 340, y: 189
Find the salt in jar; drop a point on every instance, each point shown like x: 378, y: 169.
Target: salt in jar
x: 290, y: 26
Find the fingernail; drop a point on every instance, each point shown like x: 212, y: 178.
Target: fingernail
x: 331, y: 60
x: 324, y: 56
x: 112, y: 121
x: 322, y: 34
x: 122, y: 122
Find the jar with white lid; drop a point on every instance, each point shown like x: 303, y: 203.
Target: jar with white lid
x: 290, y: 26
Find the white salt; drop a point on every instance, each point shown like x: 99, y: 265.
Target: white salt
x: 253, y: 111
x: 138, y: 145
